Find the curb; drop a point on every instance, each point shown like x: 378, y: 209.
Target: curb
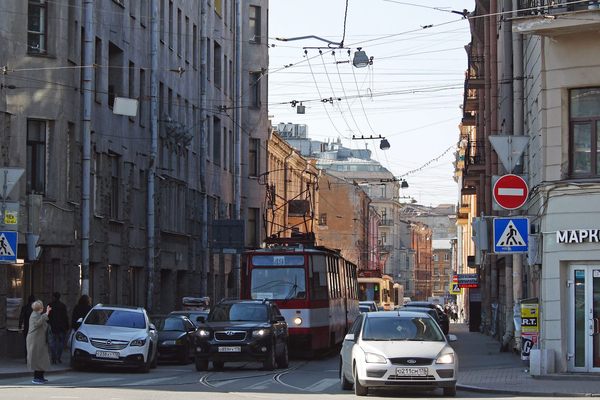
x: 478, y: 389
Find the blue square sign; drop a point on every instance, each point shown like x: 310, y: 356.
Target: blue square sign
x: 8, y: 246
x: 511, y: 235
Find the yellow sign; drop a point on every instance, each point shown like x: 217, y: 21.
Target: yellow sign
x: 453, y: 288
x: 10, y: 217
x: 530, y: 322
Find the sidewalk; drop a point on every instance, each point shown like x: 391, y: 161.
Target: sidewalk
x: 483, y: 368
x: 17, y: 367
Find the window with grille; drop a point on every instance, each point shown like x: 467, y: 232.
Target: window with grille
x: 37, y: 28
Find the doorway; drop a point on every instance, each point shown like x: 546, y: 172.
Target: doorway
x: 584, y: 318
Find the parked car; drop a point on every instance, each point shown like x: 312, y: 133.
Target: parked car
x: 115, y: 335
x: 193, y: 315
x: 369, y: 303
x: 432, y: 312
x: 443, y: 319
x: 243, y: 330
x: 176, y: 335
x: 395, y: 349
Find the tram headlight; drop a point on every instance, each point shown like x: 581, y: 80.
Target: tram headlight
x: 297, y: 321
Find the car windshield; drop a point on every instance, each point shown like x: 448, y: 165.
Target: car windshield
x: 193, y: 315
x: 402, y: 328
x: 170, y: 324
x: 120, y: 318
x: 278, y: 283
x: 238, y: 312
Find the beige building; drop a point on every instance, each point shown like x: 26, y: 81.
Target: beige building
x: 212, y: 127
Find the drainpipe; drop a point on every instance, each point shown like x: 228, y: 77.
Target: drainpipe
x: 487, y: 204
x: 151, y: 218
x: 238, y: 134
x: 285, y: 192
x: 86, y: 141
x: 205, y: 251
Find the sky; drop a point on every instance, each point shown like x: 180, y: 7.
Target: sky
x: 411, y: 94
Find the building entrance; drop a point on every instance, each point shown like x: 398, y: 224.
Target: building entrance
x: 584, y: 318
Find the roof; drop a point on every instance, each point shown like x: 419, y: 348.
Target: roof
x: 441, y: 244
x: 397, y: 313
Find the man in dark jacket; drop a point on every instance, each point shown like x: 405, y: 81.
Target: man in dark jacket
x: 59, y: 326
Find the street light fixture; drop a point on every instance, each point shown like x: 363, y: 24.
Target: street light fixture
x: 360, y: 59
x: 383, y: 144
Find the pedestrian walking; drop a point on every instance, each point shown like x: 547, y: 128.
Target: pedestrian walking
x: 24, y: 320
x: 37, y: 346
x: 59, y: 326
x: 80, y: 310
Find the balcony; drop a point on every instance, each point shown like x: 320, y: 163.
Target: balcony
x: 475, y: 153
x: 556, y: 17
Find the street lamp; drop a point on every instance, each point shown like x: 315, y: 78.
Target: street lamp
x: 383, y: 144
x: 360, y: 59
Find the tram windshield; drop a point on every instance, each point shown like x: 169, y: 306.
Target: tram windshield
x: 278, y: 283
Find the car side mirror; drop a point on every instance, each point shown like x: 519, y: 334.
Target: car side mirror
x: 350, y: 337
x: 78, y: 323
x: 152, y: 327
x: 452, y: 338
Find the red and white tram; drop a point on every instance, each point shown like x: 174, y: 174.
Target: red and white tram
x: 315, y: 288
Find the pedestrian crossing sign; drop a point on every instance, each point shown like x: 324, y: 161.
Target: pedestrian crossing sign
x: 453, y: 288
x: 8, y: 246
x: 511, y: 235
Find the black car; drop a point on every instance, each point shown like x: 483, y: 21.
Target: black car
x: 242, y: 330
x: 175, y: 338
x: 443, y: 319
x: 431, y: 311
x: 193, y: 315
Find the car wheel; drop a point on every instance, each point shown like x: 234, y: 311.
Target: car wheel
x: 201, y: 365
x: 450, y: 391
x: 284, y: 359
x: 359, y: 389
x: 218, y: 365
x: 269, y: 363
x: 344, y: 383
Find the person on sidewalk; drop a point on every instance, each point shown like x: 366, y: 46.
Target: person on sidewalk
x: 80, y: 311
x: 37, y: 346
x: 24, y: 320
x: 59, y: 326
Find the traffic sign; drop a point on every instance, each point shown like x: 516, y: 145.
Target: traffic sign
x: 511, y: 235
x: 8, y: 246
x: 453, y: 288
x: 510, y: 191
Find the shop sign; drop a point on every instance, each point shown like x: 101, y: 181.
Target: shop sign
x: 468, y: 280
x: 578, y: 236
x: 530, y: 328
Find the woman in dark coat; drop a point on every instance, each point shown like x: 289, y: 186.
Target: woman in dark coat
x: 38, y: 358
x: 80, y: 311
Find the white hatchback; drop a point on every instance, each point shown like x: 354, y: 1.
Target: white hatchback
x: 115, y: 335
x: 391, y: 349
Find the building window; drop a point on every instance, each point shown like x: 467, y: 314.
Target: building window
x: 72, y: 158
x: 37, y: 132
x: 73, y: 31
x: 253, y: 157
x: 195, y: 46
x: 115, y: 73
x: 323, y: 219
x: 217, y: 64
x: 435, y: 257
x: 219, y: 7
x: 252, y: 227
x: 187, y: 39
x: 170, y: 24
x: 179, y: 33
x: 115, y: 179
x: 217, y: 140
x: 131, y: 86
x: 254, y: 24
x: 161, y: 19
x: 143, y: 101
x: 144, y: 13
x: 254, y: 89
x: 585, y: 132
x: 446, y: 256
x: 225, y: 76
x: 98, y: 71
x: 37, y: 29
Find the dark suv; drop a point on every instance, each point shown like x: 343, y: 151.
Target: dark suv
x: 242, y: 330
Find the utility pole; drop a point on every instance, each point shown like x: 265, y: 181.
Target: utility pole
x: 151, y: 218
x: 86, y: 141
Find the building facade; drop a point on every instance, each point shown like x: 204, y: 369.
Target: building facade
x: 188, y: 82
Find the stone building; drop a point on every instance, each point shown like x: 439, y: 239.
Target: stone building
x: 211, y: 132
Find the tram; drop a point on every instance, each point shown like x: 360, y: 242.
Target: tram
x: 380, y: 288
x: 315, y: 288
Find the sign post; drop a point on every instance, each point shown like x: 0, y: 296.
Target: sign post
x: 510, y: 192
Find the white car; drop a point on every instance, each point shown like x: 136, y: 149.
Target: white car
x: 394, y: 349
x: 115, y: 335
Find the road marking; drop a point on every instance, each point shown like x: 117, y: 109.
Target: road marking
x: 322, y: 384
x: 150, y: 380
x: 260, y: 385
x: 107, y: 379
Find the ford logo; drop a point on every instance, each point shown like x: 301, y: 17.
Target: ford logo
x: 411, y: 361
x: 109, y: 341
x: 229, y: 333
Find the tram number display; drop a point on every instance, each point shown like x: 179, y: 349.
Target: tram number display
x: 531, y: 321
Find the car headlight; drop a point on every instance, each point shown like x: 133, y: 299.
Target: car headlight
x: 80, y: 337
x: 445, y: 359
x: 260, y: 332
x: 138, y: 342
x: 203, y: 333
x: 373, y: 358
x: 297, y: 321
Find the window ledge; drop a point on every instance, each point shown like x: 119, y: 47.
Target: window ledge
x: 41, y: 55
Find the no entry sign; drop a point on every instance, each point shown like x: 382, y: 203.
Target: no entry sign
x: 510, y: 192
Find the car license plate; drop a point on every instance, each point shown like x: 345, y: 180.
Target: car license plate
x: 230, y: 349
x: 411, y: 371
x: 108, y: 354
